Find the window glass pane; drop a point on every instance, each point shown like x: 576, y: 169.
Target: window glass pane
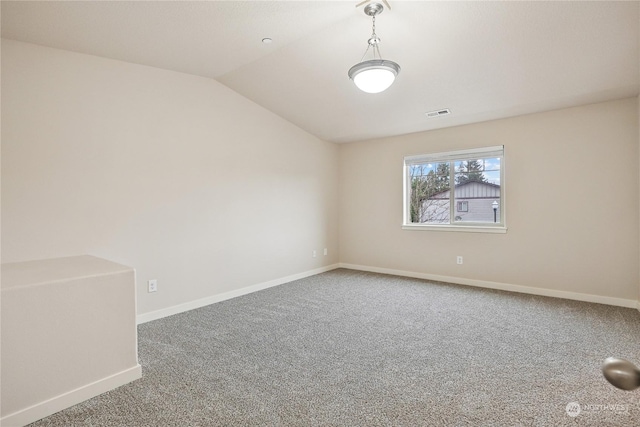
x: 455, y: 188
x: 429, y: 193
x: 493, y: 177
x: 477, y: 188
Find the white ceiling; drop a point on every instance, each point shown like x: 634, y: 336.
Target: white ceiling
x: 482, y: 60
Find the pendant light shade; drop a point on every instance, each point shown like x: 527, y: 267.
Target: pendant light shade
x: 377, y: 74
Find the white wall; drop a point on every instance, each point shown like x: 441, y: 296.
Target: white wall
x: 572, y: 203
x: 172, y: 174
x: 207, y: 192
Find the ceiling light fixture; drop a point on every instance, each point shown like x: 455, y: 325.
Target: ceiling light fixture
x: 377, y: 74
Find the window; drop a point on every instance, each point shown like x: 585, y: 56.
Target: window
x: 457, y: 190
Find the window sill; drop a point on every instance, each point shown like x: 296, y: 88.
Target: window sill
x: 457, y: 228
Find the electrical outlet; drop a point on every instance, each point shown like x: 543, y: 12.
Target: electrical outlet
x: 459, y: 260
x: 325, y: 252
x: 314, y: 254
x: 153, y: 285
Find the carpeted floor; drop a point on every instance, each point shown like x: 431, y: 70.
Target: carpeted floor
x: 348, y: 348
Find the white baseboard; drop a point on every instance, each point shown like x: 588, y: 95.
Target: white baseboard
x: 620, y: 302
x: 68, y: 399
x: 169, y: 311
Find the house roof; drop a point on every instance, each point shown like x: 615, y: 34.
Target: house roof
x: 471, y: 190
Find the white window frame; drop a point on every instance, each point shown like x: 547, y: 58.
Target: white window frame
x: 453, y: 156
x: 463, y: 206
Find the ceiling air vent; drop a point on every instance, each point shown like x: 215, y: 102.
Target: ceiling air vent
x: 438, y: 113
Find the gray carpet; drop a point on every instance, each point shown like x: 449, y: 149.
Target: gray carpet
x: 348, y: 348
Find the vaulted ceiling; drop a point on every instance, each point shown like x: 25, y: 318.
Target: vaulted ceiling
x: 482, y: 60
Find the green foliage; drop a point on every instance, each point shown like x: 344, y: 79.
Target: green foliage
x: 423, y: 186
x: 470, y: 171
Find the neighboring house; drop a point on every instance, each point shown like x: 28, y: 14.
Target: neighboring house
x: 473, y: 203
